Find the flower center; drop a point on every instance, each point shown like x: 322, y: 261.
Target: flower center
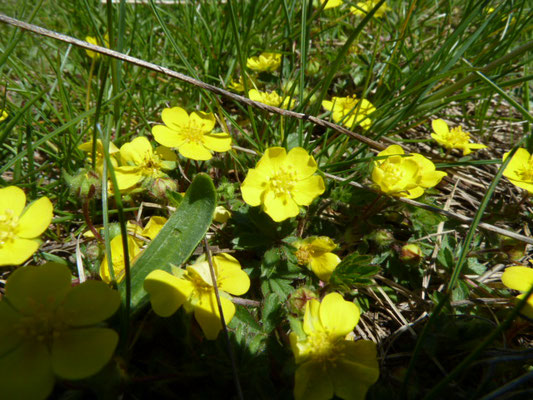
x: 193, y: 134
x: 151, y: 166
x: 282, y: 182
x: 304, y: 254
x: 9, y: 224
x: 393, y: 172
x: 525, y: 173
x: 45, y: 324
x: 323, y: 346
x: 457, y: 137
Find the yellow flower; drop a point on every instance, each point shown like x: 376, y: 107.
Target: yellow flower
x: 117, y: 256
x: 93, y: 40
x: 520, y: 169
x: 363, y: 7
x: 282, y: 182
x: 264, y: 62
x: 350, y: 110
x: 315, y: 253
x: 141, y: 163
x: 21, y: 227
x: 271, y: 99
x: 196, y: 292
x: 3, y: 115
x: 520, y: 278
x: 190, y: 134
x: 99, y: 163
x: 238, y: 85
x: 331, y: 3
x: 328, y: 364
x: 221, y: 215
x: 402, y: 176
x: 454, y: 139
x: 50, y: 328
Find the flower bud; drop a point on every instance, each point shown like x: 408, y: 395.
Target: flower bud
x: 299, y: 298
x: 221, y: 215
x: 86, y: 184
x: 160, y: 186
x: 411, y: 253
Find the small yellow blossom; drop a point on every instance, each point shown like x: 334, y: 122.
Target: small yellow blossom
x: 264, y: 62
x: 21, y: 227
x: 190, y: 134
x: 221, y: 215
x: 195, y: 291
x: 99, y: 163
x: 271, y: 99
x: 3, y: 115
x: 238, y: 86
x: 363, y: 7
x: 520, y: 278
x: 328, y: 363
x: 315, y: 253
x: 402, y: 176
x: 94, y: 40
x: 331, y: 3
x: 282, y: 182
x: 453, y: 139
x: 520, y: 169
x: 350, y: 110
x: 141, y: 163
x: 50, y: 328
x: 117, y: 255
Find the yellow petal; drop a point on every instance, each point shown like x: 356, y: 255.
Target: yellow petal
x: 280, y: 207
x: 311, y: 383
x: 17, y: 251
x: 36, y: 218
x: 128, y: 176
x: 273, y: 158
x: 154, y: 225
x: 391, y: 150
x: 302, y: 162
x: 10, y: 337
x: 527, y: 310
x: 305, y: 191
x: 312, y: 323
x: 80, y: 353
x: 324, y: 265
x: 208, y: 317
x: 137, y: 151
x: 219, y: 142
x: 195, y: 151
x: 90, y: 303
x: 26, y: 373
x: 203, y: 121
x: 31, y: 289
x: 167, y: 292
x: 337, y: 315
x: 12, y: 198
x: 518, y: 278
x: 520, y: 161
x: 166, y: 136
x: 175, y: 118
x: 230, y: 277
x: 440, y: 127
x: 328, y: 105
x: 166, y: 154
x: 253, y: 187
x: 117, y: 255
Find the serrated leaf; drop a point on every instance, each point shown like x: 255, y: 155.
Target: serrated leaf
x: 354, y: 270
x: 177, y: 239
x: 271, y: 312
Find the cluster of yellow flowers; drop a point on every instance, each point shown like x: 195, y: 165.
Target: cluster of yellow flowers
x: 360, y: 9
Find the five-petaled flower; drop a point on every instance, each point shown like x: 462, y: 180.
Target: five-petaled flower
x: 404, y: 176
x: 190, y: 134
x: 264, y: 62
x: 194, y: 290
x: 520, y: 278
x: 282, y: 182
x: 364, y: 7
x: 350, y: 110
x: 331, y: 3
x: 141, y: 163
x: 21, y: 227
x: 117, y: 257
x: 315, y: 253
x: 328, y: 363
x: 50, y: 328
x: 520, y: 169
x: 455, y: 138
x: 271, y: 99
x: 99, y: 153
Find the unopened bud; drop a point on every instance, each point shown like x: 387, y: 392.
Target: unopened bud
x: 160, y: 186
x: 299, y: 298
x: 411, y: 253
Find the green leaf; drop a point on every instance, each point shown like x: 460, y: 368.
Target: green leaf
x: 354, y: 270
x: 177, y: 239
x: 272, y: 315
